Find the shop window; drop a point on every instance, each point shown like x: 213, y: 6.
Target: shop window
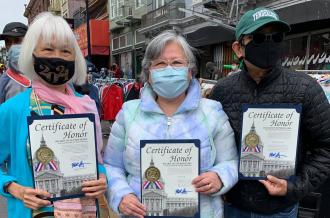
x: 138, y: 3
x: 115, y: 43
x: 116, y: 8
x: 120, y: 42
x: 159, y: 3
x: 139, y: 37
x: 129, y: 38
x: 123, y: 41
x: 294, y: 53
x: 296, y: 56
x: 319, y: 52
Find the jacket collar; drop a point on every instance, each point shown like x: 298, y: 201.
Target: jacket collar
x: 269, y: 78
x: 191, y: 102
x: 19, y: 78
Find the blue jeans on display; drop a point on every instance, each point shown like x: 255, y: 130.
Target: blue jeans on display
x: 234, y: 212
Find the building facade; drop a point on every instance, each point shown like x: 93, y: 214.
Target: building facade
x: 68, y: 7
x: 253, y: 162
x: 157, y: 201
x: 47, y: 170
x: 202, y: 26
x: 99, y: 33
x: 306, y: 46
x: 127, y: 44
x: 34, y: 7
x: 48, y: 175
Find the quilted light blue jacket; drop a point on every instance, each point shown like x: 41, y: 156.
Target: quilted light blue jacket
x: 196, y: 118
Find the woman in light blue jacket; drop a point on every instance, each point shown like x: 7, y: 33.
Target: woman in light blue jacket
x: 170, y: 107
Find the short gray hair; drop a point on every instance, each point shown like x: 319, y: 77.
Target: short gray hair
x: 47, y: 26
x: 157, y: 45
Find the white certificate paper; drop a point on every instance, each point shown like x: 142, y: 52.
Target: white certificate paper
x: 63, y: 152
x: 269, y: 141
x: 167, y: 170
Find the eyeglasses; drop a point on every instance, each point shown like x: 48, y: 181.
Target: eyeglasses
x: 176, y: 63
x: 261, y: 37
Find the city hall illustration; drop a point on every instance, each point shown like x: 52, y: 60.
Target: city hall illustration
x: 157, y: 201
x: 253, y: 163
x: 48, y: 175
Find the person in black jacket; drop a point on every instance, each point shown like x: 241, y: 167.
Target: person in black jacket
x: 263, y: 80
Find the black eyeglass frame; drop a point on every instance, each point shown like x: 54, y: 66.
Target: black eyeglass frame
x: 265, y: 37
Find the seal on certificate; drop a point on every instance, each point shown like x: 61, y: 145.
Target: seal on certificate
x: 44, y: 155
x: 251, y: 140
x: 152, y: 174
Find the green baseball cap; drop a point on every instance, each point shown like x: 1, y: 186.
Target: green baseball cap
x: 256, y: 18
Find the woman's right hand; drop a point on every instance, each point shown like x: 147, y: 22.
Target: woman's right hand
x: 32, y: 198
x: 130, y: 205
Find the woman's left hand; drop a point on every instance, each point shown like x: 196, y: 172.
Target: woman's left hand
x: 207, y: 183
x: 95, y: 188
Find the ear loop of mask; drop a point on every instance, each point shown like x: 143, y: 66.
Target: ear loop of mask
x: 241, y: 59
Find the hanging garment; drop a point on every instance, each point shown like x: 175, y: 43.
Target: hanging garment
x: 112, y: 100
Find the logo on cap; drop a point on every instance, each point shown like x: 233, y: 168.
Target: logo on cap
x: 264, y: 13
x: 15, y: 30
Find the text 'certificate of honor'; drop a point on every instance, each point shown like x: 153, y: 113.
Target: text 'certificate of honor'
x: 269, y: 141
x: 167, y: 170
x: 63, y: 153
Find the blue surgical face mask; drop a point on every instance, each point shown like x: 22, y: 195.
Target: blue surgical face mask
x: 169, y: 82
x: 13, y: 55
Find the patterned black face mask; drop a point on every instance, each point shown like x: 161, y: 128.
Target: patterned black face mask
x: 54, y: 71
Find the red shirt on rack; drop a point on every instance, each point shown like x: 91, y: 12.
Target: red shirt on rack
x: 112, y: 100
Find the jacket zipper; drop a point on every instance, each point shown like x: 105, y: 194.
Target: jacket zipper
x: 255, y: 94
x: 169, y: 123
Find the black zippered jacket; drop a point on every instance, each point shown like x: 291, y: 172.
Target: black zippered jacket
x: 313, y: 156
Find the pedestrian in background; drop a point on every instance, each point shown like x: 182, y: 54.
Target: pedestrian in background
x: 13, y: 34
x: 212, y: 72
x: 13, y: 81
x: 2, y: 69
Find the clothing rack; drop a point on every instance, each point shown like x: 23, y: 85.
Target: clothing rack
x: 315, y: 71
x: 201, y: 80
x: 113, y: 80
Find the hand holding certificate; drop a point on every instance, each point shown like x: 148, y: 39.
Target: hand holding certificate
x: 63, y: 152
x: 269, y: 142
x: 168, y: 168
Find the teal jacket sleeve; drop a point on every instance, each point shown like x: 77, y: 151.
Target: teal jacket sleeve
x: 101, y: 169
x: 5, y: 147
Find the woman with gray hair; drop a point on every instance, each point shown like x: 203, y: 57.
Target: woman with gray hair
x: 51, y: 58
x: 170, y: 107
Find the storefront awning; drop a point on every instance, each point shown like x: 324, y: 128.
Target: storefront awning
x: 305, y: 12
x: 209, y: 35
x: 99, y: 37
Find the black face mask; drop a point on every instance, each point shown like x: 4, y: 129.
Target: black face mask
x: 264, y: 55
x: 54, y: 71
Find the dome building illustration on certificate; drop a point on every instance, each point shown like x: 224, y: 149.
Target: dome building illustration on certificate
x: 48, y: 175
x: 47, y: 171
x: 157, y: 201
x: 253, y: 163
